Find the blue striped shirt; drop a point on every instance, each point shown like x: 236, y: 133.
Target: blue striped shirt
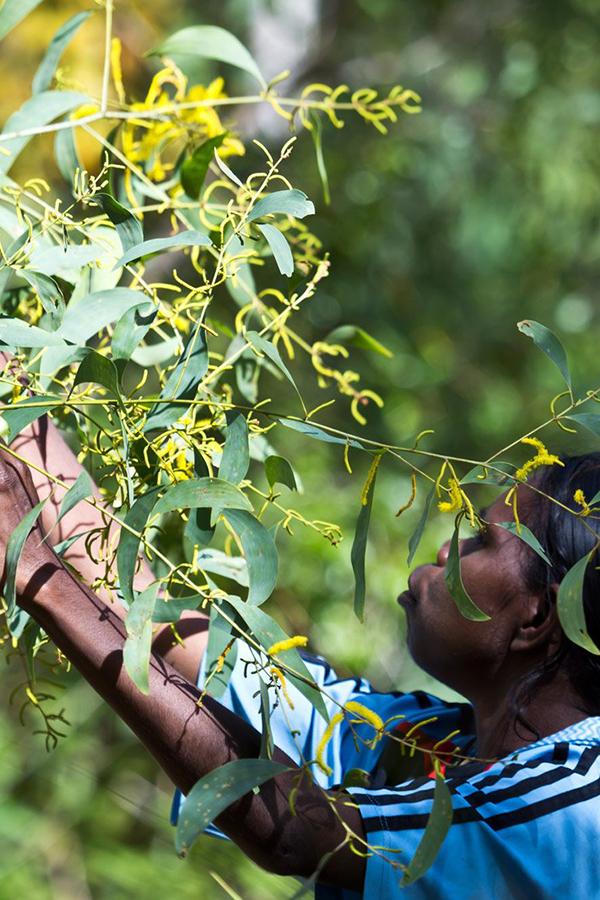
x: 526, y: 826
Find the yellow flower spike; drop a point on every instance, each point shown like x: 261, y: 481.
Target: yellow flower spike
x: 283, y: 685
x: 298, y: 640
x: 367, y: 715
x: 347, y: 458
x: 412, y: 497
x: 541, y: 458
x: 327, y: 735
x: 115, y: 65
x: 455, y: 501
x: 579, y: 498
x: 363, y: 398
x: 364, y: 496
x: 32, y: 696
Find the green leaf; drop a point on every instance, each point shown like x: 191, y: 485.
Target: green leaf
x: 46, y: 288
x: 549, y: 344
x: 359, y: 549
x: 358, y: 337
x: 45, y: 72
x: 522, y: 531
x: 210, y: 42
x: 182, y: 383
x: 99, y: 370
x: 138, y: 645
x: 216, y: 792
x: 415, y: 538
x: 569, y: 606
x: 159, y: 245
x: 13, y: 12
x: 80, y: 490
x: 129, y: 228
x: 219, y: 563
x: 199, y: 531
x: 485, y: 475
x: 438, y: 825
x: 260, y: 552
x: 219, y: 636
x: 465, y: 605
x: 266, y: 735
x: 194, y: 169
x: 131, y: 329
x: 14, y: 548
x: 227, y: 171
x: 271, y: 351
x: 15, y: 333
x: 279, y: 471
x: 267, y: 632
x: 316, y: 134
x: 280, y: 248
x: 92, y: 313
x: 290, y: 202
x: 41, y: 109
x: 65, y: 153
x: 318, y: 434
x: 19, y: 415
x: 170, y: 610
x: 203, y: 493
x: 61, y: 548
x: 129, y: 544
x: 591, y: 421
x: 236, y: 452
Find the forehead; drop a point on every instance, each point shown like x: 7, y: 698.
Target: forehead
x: 500, y: 511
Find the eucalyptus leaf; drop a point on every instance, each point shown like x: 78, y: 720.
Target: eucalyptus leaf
x: 170, y: 610
x: 202, y: 493
x: 194, y: 169
x: 21, y: 414
x: 198, y: 530
x: 486, y: 475
x: 314, y: 431
x: 100, y: 370
x: 569, y: 605
x: 138, y: 645
x: 182, y: 383
x: 210, y: 42
x: 46, y: 288
x: 131, y: 329
x: 291, y: 202
x: 415, y: 538
x: 15, y: 333
x: 217, y: 791
x: 65, y: 153
x: 92, y: 313
x: 39, y: 110
x: 219, y: 636
x: 464, y: 603
x: 267, y: 744
x: 279, y: 471
x: 46, y: 69
x: 81, y: 489
x: 188, y: 238
x: 358, y: 337
x: 549, y: 344
x: 280, y: 248
x: 591, y: 421
x: 236, y: 451
x: 14, y: 549
x: 271, y: 351
x: 260, y: 552
x: 438, y: 825
x: 129, y: 228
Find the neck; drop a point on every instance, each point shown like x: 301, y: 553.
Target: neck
x: 500, y: 731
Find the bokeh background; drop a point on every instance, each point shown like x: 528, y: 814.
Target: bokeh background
x: 479, y: 212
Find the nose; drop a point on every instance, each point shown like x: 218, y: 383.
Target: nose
x: 442, y: 554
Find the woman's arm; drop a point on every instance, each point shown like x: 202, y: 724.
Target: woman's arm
x: 188, y: 740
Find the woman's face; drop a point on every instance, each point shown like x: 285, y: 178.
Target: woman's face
x: 473, y: 657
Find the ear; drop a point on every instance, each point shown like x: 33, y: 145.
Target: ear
x: 539, y: 623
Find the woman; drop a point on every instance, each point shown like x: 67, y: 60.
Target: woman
x: 523, y: 769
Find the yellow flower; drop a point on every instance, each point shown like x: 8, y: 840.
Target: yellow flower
x: 299, y: 640
x: 541, y: 458
x: 327, y: 735
x: 579, y: 498
x: 455, y: 503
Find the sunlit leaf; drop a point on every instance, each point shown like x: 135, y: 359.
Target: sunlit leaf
x: 95, y: 311
x: 81, y: 489
x: 549, y: 344
x: 14, y: 11
x: 570, y: 608
x: 21, y: 414
x: 216, y: 792
x: 280, y: 248
x: 209, y: 42
x: 194, y: 169
x: 438, y: 825
x: 202, y: 492
x: 182, y: 383
x: 46, y: 288
x: 236, y: 452
x: 138, y: 645
x: 464, y: 604
x: 290, y: 202
x: 65, y: 153
x: 357, y: 337
x: 279, y: 471
x: 131, y: 329
x: 14, y: 548
x: 129, y: 228
x: 267, y: 632
x: 523, y: 533
x: 187, y: 238
x: 45, y: 72
x: 314, y: 431
x: 99, y: 370
x: 272, y: 353
x: 41, y: 109
x: 15, y: 333
x: 260, y: 552
x: 219, y: 636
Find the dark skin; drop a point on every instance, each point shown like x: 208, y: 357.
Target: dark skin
x: 480, y: 660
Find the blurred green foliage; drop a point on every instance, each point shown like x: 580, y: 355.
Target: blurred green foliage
x: 481, y: 211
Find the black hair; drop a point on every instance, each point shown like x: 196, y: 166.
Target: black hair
x: 566, y: 538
